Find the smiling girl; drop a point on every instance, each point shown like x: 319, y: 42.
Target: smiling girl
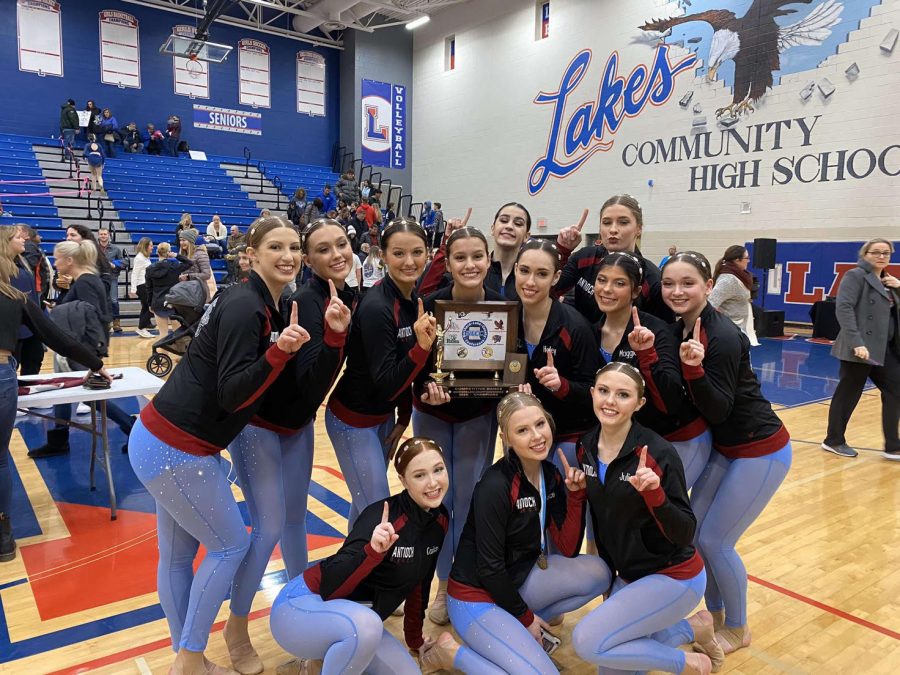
x: 390, y: 340
x: 273, y: 455
x: 240, y: 346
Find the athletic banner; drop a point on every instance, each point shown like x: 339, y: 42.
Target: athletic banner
x: 225, y: 119
x: 253, y: 70
x: 120, y: 50
x: 39, y: 29
x: 807, y: 272
x: 383, y: 124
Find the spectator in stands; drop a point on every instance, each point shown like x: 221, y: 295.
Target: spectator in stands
x: 439, y: 223
x: 365, y: 189
x: 185, y: 223
x: 427, y: 221
x: 109, y: 127
x: 265, y: 213
x: 312, y: 212
x: 296, y: 207
x: 344, y: 217
x: 38, y: 262
x: 116, y: 260
x: 354, y: 276
x: 173, y: 135
x: 329, y: 201
x: 131, y: 138
x: 159, y: 279
x: 360, y: 225
x: 29, y: 348
x: 200, y: 268
x: 93, y: 153
x: 68, y: 123
x: 731, y: 292
x: 153, y: 140
x: 371, y: 237
x: 673, y: 249
x: 93, y: 126
x: 216, y: 237
x: 372, y: 269
x: 243, y: 264
x: 4, y: 213
x: 347, y: 188
x: 138, y: 286
x: 389, y: 213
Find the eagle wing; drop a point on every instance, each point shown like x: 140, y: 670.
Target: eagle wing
x: 812, y: 29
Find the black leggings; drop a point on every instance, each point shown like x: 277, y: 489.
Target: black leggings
x: 145, y: 320
x: 852, y: 380
x: 30, y: 355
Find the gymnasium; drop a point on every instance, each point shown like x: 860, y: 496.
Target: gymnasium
x: 749, y: 139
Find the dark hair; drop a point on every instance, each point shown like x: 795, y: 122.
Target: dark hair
x: 314, y: 227
x: 262, y: 226
x: 83, y: 231
x: 466, y: 233
x: 437, y: 205
x: 733, y: 252
x: 412, y: 448
x: 519, y: 206
x: 629, y: 203
x: 318, y: 203
x: 628, y: 263
x: 697, y: 260
x: 541, y: 245
x: 300, y: 193
x: 625, y: 368
x: 327, y: 187
x: 29, y: 231
x: 70, y: 101
x: 403, y: 225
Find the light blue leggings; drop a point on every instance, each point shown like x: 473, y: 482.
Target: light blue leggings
x: 496, y: 642
x: 194, y: 506
x: 362, y: 456
x: 468, y: 448
x: 639, y: 627
x: 694, y: 455
x: 350, y: 637
x: 274, y: 471
x: 727, y: 498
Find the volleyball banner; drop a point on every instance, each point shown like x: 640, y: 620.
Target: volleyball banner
x: 807, y: 272
x: 383, y: 124
x: 225, y: 119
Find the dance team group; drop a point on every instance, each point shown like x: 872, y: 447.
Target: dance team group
x: 637, y: 391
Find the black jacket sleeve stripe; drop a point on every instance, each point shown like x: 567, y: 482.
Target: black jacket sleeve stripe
x: 713, y: 384
x: 669, y: 504
x: 391, y: 375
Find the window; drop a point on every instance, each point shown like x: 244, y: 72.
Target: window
x: 450, y: 53
x: 542, y: 20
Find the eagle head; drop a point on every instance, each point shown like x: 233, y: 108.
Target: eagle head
x: 724, y: 46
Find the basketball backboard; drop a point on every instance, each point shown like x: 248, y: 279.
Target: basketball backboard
x: 195, y: 49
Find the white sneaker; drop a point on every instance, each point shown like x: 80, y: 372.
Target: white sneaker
x: 144, y: 333
x: 83, y: 409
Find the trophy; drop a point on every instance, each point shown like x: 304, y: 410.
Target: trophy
x: 475, y: 343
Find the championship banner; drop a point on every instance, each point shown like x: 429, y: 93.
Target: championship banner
x: 225, y: 119
x: 120, y: 50
x: 39, y: 29
x: 383, y: 124
x: 255, y: 77
x: 807, y: 272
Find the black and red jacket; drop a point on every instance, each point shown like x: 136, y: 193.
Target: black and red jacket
x: 726, y: 391
x: 383, y: 359
x: 576, y: 356
x: 294, y: 399
x: 580, y: 271
x: 437, y: 278
x: 403, y: 573
x: 640, y: 533
x: 218, y: 385
x: 668, y: 411
x: 458, y: 409
x: 501, y: 540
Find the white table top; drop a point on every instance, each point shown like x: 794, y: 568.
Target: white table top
x: 136, y: 382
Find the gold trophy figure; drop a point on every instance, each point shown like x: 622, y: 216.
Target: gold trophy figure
x: 439, y: 376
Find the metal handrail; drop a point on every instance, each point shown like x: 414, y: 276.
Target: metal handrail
x: 357, y: 169
x: 372, y: 179
x: 400, y: 210
x: 247, y: 155
x: 276, y: 181
x: 262, y: 176
x: 344, y: 161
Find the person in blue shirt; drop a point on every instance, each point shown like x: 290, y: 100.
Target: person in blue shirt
x: 109, y: 126
x: 329, y: 201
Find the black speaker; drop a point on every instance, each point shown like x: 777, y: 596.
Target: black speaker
x: 771, y: 325
x: 764, y: 254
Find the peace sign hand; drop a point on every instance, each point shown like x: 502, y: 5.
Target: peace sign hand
x: 337, y: 314
x: 293, y: 336
x: 575, y: 478
x: 641, y: 338
x: 644, y: 479
x: 425, y: 328
x: 569, y: 237
x: 548, y: 376
x: 383, y: 536
x: 692, y: 351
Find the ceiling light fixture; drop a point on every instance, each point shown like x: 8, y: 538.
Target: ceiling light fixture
x: 415, y: 23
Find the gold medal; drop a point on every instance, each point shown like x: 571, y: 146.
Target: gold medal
x: 542, y: 561
x: 515, y: 366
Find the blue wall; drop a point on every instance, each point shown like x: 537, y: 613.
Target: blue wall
x: 33, y: 102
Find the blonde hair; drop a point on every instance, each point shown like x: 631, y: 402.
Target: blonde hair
x: 519, y: 400
x: 877, y: 240
x: 163, y: 249
x: 82, y: 253
x: 188, y: 247
x: 8, y: 269
x: 145, y: 246
x: 186, y: 220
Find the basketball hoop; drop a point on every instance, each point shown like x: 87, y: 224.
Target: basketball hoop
x: 194, y: 67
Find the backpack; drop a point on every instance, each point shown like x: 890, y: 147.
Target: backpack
x: 94, y: 158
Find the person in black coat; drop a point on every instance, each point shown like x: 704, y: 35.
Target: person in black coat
x: 868, y: 346
x: 159, y: 279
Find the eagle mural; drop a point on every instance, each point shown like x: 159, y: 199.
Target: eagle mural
x: 755, y: 41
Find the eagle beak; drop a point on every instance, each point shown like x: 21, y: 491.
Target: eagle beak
x: 711, y: 74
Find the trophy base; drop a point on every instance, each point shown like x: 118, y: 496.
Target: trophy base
x: 470, y: 387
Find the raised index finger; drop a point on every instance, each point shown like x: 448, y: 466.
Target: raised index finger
x: 581, y: 222
x: 697, y: 326
x: 550, y: 360
x: 467, y: 216
x: 642, y: 462
x: 565, y: 463
x: 635, y: 319
x: 293, y: 313
x: 421, y: 308
x: 332, y: 291
x: 384, y: 514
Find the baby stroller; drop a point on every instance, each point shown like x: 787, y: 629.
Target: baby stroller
x: 187, y: 299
